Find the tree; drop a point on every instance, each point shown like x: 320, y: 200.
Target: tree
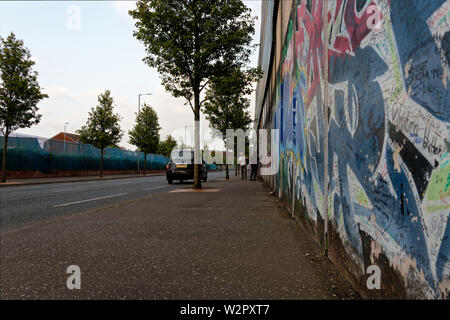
x: 20, y: 92
x: 102, y: 128
x: 166, y: 146
x: 192, y: 41
x: 145, y: 133
x: 182, y: 145
x: 228, y: 103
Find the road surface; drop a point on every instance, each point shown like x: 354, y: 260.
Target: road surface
x: 21, y: 206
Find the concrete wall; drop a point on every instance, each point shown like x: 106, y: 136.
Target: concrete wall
x: 388, y: 90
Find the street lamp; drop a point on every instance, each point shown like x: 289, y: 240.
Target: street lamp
x: 65, y: 124
x: 139, y: 100
x: 139, y: 111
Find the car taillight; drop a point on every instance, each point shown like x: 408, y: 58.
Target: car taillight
x: 168, y: 166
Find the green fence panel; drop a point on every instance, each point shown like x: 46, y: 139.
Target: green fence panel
x: 49, y: 156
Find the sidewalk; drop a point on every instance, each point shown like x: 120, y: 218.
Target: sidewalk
x: 232, y: 240
x: 33, y: 181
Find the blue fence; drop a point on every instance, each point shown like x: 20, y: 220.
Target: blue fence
x: 50, y: 156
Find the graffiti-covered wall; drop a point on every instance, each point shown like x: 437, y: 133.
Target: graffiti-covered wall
x: 388, y: 97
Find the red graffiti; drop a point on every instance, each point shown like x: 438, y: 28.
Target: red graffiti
x: 356, y: 25
x: 352, y: 27
x: 313, y: 23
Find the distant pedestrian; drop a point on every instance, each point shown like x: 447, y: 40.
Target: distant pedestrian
x: 254, y: 171
x: 243, y: 165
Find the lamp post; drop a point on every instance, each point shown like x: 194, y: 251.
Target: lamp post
x: 139, y: 111
x: 139, y: 100
x: 65, y: 124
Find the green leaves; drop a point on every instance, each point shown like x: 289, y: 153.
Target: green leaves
x: 227, y: 99
x: 19, y: 89
x: 102, y: 128
x: 145, y: 133
x: 166, y: 146
x: 188, y: 41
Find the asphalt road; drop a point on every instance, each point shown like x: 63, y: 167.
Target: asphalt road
x: 21, y: 206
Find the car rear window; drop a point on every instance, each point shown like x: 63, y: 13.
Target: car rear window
x: 182, y: 156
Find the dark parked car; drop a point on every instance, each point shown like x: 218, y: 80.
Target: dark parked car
x: 181, y: 166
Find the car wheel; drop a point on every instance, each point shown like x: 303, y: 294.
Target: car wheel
x: 170, y: 181
x: 181, y: 180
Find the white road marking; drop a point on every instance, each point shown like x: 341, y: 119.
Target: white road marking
x: 155, y: 188
x: 81, y: 201
x: 66, y: 190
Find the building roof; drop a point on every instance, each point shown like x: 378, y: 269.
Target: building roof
x: 69, y: 136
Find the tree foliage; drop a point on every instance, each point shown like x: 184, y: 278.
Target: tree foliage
x: 19, y: 89
x: 102, y: 128
x: 20, y: 92
x: 190, y: 42
x: 166, y: 146
x: 145, y: 133
x: 227, y: 105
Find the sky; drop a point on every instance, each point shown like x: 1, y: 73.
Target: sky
x: 82, y: 48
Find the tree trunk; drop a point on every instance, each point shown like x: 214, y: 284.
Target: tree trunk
x: 5, y: 150
x: 138, y: 158
x: 197, y: 155
x: 101, y: 163
x: 145, y: 162
x: 227, y: 176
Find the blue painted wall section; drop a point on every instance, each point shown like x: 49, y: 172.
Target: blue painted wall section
x: 388, y: 134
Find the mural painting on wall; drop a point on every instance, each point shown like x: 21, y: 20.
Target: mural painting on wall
x: 388, y: 133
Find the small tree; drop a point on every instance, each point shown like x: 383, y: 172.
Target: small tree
x: 188, y: 42
x: 145, y: 133
x: 102, y: 128
x: 182, y: 145
x: 19, y: 91
x: 228, y: 103
x: 166, y: 146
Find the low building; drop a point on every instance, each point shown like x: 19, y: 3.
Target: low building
x: 63, y: 142
x: 69, y: 137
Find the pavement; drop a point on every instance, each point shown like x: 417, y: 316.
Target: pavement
x: 232, y: 240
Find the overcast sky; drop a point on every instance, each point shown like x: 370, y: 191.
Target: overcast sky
x: 77, y: 59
